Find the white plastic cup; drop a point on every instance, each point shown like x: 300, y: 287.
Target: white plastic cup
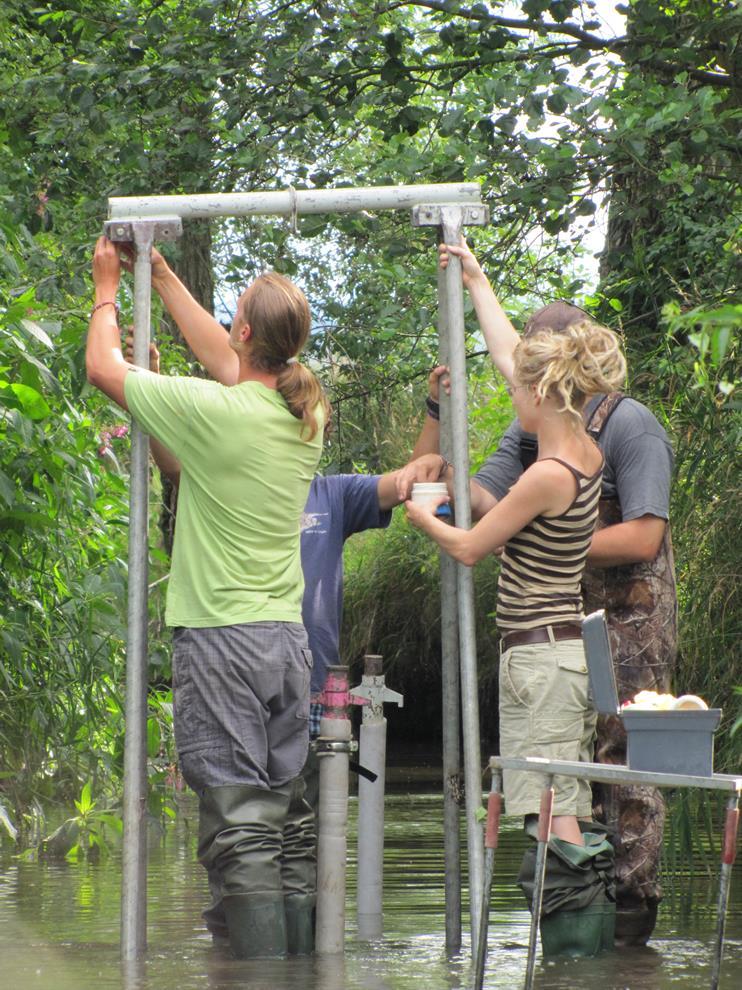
x: 425, y: 492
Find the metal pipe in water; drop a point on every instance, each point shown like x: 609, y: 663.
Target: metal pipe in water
x: 333, y: 749
x: 451, y: 699
x: 452, y: 223
x: 134, y: 864
x: 371, y: 797
x: 142, y: 233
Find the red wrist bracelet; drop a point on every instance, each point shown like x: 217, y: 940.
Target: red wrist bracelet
x: 108, y: 302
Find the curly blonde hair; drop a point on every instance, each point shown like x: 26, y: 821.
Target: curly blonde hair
x: 571, y: 363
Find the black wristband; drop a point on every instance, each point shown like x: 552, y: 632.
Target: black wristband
x: 434, y: 409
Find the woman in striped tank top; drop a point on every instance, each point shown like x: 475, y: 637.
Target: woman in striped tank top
x: 542, y: 528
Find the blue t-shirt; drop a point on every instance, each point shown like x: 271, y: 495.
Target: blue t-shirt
x: 337, y: 507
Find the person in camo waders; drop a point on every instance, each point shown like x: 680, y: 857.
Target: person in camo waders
x: 630, y: 573
x: 241, y: 660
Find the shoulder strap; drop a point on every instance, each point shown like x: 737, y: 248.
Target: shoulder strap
x: 528, y: 448
x: 594, y: 426
x: 600, y: 416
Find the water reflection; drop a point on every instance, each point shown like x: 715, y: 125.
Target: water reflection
x: 59, y: 927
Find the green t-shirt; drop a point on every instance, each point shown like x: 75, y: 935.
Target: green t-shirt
x: 245, y: 475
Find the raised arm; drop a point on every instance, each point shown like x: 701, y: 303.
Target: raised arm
x: 499, y: 333
x: 104, y: 362
x: 206, y: 337
x: 428, y: 442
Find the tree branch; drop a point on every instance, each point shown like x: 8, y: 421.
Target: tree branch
x: 586, y: 39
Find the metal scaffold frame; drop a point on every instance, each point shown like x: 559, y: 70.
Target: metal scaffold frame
x: 449, y: 207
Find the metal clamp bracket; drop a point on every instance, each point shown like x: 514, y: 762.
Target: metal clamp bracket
x: 374, y: 690
x: 436, y: 214
x: 328, y: 747
x: 159, y: 229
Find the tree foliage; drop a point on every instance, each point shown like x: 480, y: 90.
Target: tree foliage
x: 565, y: 121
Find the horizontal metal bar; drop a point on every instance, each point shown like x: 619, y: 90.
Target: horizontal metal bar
x: 290, y: 202
x: 611, y: 774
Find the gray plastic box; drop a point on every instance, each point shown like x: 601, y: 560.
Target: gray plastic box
x: 657, y: 741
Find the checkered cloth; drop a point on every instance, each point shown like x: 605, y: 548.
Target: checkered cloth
x: 316, y: 710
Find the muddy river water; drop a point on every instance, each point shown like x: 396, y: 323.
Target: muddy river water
x: 59, y: 925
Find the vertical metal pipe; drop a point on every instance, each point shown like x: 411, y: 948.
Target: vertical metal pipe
x: 134, y: 866
x: 544, y: 830
x: 728, y: 854
x: 451, y: 702
x: 371, y: 830
x: 372, y: 754
x: 452, y: 227
x: 492, y: 834
x: 333, y: 747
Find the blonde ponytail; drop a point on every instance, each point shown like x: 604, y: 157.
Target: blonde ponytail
x: 572, y: 363
x: 305, y: 397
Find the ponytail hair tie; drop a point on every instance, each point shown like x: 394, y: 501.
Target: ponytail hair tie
x: 292, y: 360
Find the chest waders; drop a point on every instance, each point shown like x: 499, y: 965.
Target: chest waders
x: 641, y: 612
x: 258, y: 848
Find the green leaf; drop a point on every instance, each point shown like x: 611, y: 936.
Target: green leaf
x: 37, y: 331
x: 32, y: 403
x: 86, y: 802
x: 7, y: 489
x: 6, y: 823
x: 719, y: 343
x: 154, y: 739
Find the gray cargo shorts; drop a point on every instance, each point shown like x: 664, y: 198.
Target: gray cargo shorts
x: 241, y: 703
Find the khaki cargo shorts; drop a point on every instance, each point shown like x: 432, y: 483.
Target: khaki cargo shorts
x: 545, y: 711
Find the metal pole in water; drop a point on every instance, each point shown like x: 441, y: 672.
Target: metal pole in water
x: 371, y: 797
x: 450, y: 694
x: 134, y: 859
x: 333, y: 749
x: 728, y: 855
x: 491, y: 838
x: 544, y: 830
x: 452, y: 219
x: 134, y: 864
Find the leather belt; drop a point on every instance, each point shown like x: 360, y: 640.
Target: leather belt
x: 522, y: 637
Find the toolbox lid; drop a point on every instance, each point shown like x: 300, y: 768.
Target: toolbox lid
x: 600, y: 663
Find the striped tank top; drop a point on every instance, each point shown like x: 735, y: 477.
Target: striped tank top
x: 541, y: 566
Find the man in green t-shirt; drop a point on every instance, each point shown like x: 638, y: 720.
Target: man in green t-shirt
x: 241, y: 662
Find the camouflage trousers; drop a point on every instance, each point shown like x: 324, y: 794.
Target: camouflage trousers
x: 641, y: 605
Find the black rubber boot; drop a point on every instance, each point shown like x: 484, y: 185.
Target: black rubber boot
x: 299, y: 870
x: 635, y: 924
x: 257, y: 925
x: 300, y: 923
x: 241, y: 842
x: 214, y: 917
